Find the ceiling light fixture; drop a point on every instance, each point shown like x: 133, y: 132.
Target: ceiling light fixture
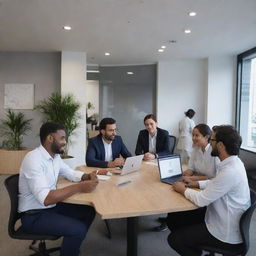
x: 130, y: 73
x: 67, y: 28
x: 92, y: 71
x: 187, y: 31
x: 107, y: 53
x: 163, y: 46
x: 192, y: 14
x: 160, y: 50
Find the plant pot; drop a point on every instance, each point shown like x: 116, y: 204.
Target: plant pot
x: 70, y: 161
x: 10, y: 160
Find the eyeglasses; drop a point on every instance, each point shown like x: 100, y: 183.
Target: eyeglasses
x: 212, y: 140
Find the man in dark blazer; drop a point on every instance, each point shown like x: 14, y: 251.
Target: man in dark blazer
x: 157, y: 137
x: 104, y: 150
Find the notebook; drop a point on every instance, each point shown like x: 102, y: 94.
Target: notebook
x: 170, y: 169
x: 131, y: 164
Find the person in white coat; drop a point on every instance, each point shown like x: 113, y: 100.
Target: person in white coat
x: 186, y: 126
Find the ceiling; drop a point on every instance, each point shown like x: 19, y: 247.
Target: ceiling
x: 132, y: 31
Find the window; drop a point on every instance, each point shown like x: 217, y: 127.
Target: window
x: 246, y: 98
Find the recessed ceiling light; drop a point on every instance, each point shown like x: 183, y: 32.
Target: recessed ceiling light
x: 67, y: 27
x: 192, y: 14
x: 163, y: 46
x: 130, y: 73
x: 107, y: 53
x: 160, y: 50
x: 187, y: 31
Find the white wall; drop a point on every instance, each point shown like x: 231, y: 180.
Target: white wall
x: 221, y: 90
x: 181, y: 84
x: 40, y: 69
x: 73, y: 80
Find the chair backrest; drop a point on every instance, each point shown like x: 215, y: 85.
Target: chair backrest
x: 246, y: 220
x: 172, y: 143
x: 11, y: 184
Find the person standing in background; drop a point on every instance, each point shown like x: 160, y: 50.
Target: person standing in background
x: 186, y: 126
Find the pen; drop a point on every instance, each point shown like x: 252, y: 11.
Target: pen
x: 123, y: 183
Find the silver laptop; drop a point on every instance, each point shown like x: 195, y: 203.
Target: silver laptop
x: 170, y: 169
x: 131, y: 164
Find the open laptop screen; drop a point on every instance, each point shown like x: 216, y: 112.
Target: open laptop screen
x: 169, y: 166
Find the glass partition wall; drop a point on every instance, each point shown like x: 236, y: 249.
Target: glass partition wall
x: 127, y: 94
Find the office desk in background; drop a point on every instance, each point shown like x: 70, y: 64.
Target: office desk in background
x: 144, y: 195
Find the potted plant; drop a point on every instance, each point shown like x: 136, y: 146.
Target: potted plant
x: 12, y: 130
x: 61, y: 109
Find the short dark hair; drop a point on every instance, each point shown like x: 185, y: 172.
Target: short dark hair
x: 48, y: 128
x: 150, y: 116
x: 204, y: 129
x: 190, y: 113
x: 105, y: 121
x: 230, y: 137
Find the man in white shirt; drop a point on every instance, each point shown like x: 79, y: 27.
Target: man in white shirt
x: 40, y: 200
x: 227, y: 197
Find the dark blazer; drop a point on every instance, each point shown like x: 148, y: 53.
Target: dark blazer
x: 162, y: 143
x: 95, y: 153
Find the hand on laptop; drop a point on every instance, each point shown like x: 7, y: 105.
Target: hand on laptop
x: 179, y: 187
x: 190, y: 182
x: 186, y: 179
x: 117, y: 162
x: 187, y: 173
x: 149, y: 156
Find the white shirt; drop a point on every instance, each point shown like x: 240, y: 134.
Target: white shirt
x: 227, y: 197
x: 203, y: 163
x: 152, y: 143
x: 108, y: 151
x: 38, y: 175
x: 186, y: 126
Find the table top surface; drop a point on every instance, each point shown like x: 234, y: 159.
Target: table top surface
x: 144, y: 195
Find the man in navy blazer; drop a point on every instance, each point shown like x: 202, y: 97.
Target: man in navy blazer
x: 153, y: 140
x: 104, y: 150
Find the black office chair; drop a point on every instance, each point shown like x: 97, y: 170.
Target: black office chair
x: 172, y: 142
x: 11, y: 184
x: 244, y: 229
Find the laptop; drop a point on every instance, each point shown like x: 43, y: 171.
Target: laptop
x: 170, y: 168
x: 131, y: 164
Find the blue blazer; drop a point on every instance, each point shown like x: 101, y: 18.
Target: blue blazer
x: 95, y: 153
x: 162, y: 143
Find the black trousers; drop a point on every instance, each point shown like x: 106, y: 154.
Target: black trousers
x: 189, y: 231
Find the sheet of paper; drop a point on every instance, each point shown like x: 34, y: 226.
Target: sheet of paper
x: 151, y: 163
x: 103, y: 177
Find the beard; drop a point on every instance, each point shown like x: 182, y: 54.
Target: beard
x: 109, y: 137
x: 57, y: 149
x: 215, y: 152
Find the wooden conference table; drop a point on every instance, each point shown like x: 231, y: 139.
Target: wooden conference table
x: 144, y: 195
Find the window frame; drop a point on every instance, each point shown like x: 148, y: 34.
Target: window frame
x: 240, y: 59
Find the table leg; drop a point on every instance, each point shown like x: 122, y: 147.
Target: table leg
x: 132, y: 236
